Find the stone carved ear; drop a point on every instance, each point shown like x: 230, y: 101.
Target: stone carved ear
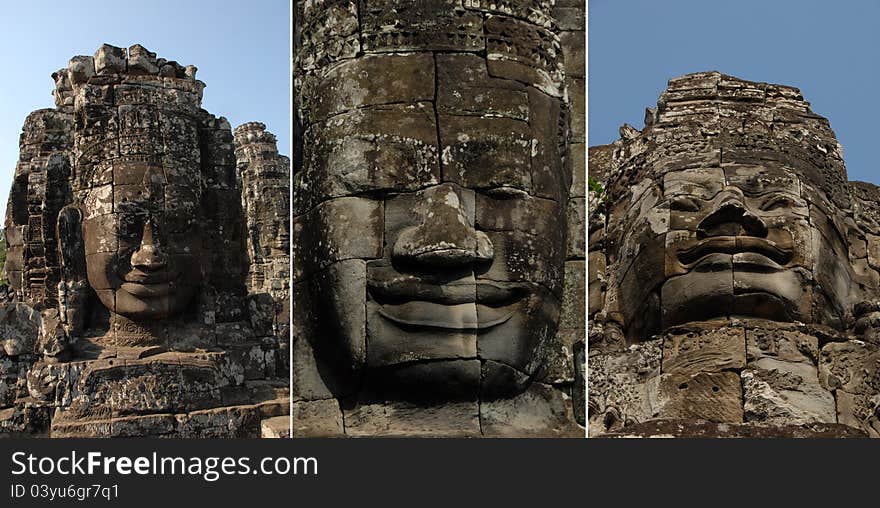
x: 73, y: 288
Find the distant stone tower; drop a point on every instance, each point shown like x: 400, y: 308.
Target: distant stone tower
x: 264, y: 179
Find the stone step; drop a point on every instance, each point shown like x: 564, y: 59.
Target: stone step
x: 275, y: 427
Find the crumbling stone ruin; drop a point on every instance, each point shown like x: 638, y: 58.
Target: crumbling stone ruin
x: 734, y: 275
x: 127, y: 228
x: 438, y: 230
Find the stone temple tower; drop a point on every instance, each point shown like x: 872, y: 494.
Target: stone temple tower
x: 133, y: 311
x: 264, y: 179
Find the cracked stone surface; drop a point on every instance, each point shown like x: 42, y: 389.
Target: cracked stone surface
x: 438, y: 204
x: 727, y: 230
x: 149, y: 253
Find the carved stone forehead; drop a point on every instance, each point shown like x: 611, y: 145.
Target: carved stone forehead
x: 751, y: 180
x: 518, y: 36
x: 503, y: 135
x: 709, y: 119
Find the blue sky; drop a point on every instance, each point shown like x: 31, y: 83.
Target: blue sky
x: 241, y: 48
x: 827, y: 49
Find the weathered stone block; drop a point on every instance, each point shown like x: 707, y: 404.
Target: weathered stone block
x: 712, y: 396
x: 326, y: 234
x: 574, y: 52
x: 540, y: 411
x: 430, y: 25
x: 573, y: 313
x: 141, y: 60
x: 596, y: 282
x: 852, y: 370
x: 277, y: 427
x: 535, y: 216
x: 852, y: 366
x: 551, y: 175
x: 569, y: 18
x: 539, y: 66
x: 578, y: 154
x: 710, y: 347
x: 521, y: 257
x: 317, y: 418
x: 464, y: 87
x: 352, y: 84
x: 576, y: 248
x: 110, y: 59
x: 482, y: 152
x: 623, y: 387
x: 383, y: 148
x: 859, y: 411
x: 780, y: 393
x: 19, y: 327
x: 80, y: 69
x: 559, y: 363
x: 404, y: 419
x: 671, y: 428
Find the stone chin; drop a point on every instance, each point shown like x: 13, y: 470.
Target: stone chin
x: 454, y: 350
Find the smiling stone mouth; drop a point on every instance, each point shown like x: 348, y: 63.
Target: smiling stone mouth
x: 465, y: 306
x: 147, y: 289
x: 735, y: 245
x: 140, y: 284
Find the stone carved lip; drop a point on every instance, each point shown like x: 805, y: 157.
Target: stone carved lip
x: 149, y: 285
x: 453, y: 293
x: 737, y: 245
x: 754, y: 262
x: 453, y: 306
x: 461, y: 317
x: 147, y: 290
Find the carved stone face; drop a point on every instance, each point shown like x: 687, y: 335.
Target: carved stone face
x: 144, y: 257
x: 455, y: 251
x: 738, y: 241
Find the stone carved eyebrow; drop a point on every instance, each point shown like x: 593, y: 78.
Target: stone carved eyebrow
x: 752, y: 188
x: 771, y: 198
x: 707, y: 180
x: 681, y: 200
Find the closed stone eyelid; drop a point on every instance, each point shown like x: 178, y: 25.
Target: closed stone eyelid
x: 786, y: 199
x: 684, y: 204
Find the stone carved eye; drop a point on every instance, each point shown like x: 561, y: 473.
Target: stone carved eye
x: 684, y: 204
x: 506, y: 192
x: 776, y: 202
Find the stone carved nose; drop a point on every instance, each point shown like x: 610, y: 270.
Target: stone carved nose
x: 148, y: 256
x: 731, y: 218
x: 446, y: 236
